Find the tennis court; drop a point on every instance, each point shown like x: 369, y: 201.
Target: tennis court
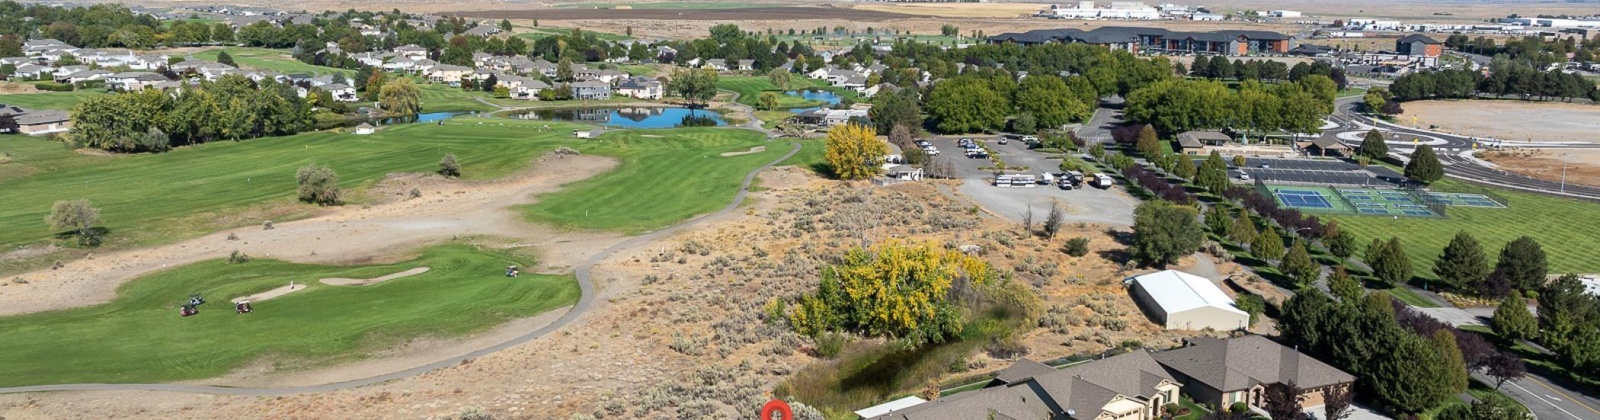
x: 1385, y: 202
x: 1316, y: 199
x: 1465, y: 200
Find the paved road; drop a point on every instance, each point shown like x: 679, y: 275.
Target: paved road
x: 585, y: 302
x: 1454, y: 152
x: 1547, y: 400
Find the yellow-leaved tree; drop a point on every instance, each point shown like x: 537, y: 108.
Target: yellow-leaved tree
x: 854, y: 152
x: 897, y: 290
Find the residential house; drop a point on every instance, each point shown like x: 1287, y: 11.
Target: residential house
x: 611, y: 76
x: 902, y: 172
x: 1223, y: 372
x: 483, y: 30
x: 545, y: 68
x: 521, y: 87
x: 747, y: 65
x: 35, y: 123
x: 32, y: 71
x: 365, y: 129
x: 448, y: 73
x: 716, y: 64
x: 411, y: 51
x: 214, y: 71
x: 591, y: 90
x: 133, y: 81
x: 63, y: 73
x: 35, y: 47
x: 10, y: 111
x: 641, y: 88
x: 1130, y: 386
x: 371, y: 59
x: 341, y: 92
x: 83, y: 76
x: 856, y: 83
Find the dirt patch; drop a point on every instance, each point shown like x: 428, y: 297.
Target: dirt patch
x: 444, y: 211
x: 734, y: 14
x: 258, y: 297
x: 1512, y: 121
x: 753, y: 150
x: 375, y: 280
x: 958, y: 10
x: 1578, y: 166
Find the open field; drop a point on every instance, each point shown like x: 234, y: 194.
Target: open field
x: 1576, y: 166
x: 731, y: 14
x: 140, y: 337
x: 666, y: 176
x: 1510, y: 120
x: 958, y: 10
x: 49, y: 100
x: 268, y: 59
x: 541, y: 32
x: 1571, y: 247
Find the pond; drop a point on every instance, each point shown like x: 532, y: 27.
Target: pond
x: 629, y: 117
x: 828, y: 98
x: 430, y: 117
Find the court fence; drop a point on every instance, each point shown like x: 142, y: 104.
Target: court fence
x: 1420, y: 195
x: 1351, y: 205
x: 1474, y: 189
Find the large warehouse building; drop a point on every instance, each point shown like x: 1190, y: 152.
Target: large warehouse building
x: 1183, y: 301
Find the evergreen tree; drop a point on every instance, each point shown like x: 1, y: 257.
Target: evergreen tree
x: 1523, y: 262
x: 1148, y: 144
x: 224, y: 58
x: 1424, y: 166
x: 1341, y: 243
x: 1213, y: 174
x: 1243, y: 231
x: 1184, y: 168
x: 1512, y: 321
x: 1297, y: 264
x: 1393, y: 266
x: 1372, y: 146
x: 1454, y: 363
x: 1268, y: 246
x: 1343, y: 286
x: 1217, y: 220
x: 1462, y: 263
x: 1373, y: 250
x: 1410, y: 374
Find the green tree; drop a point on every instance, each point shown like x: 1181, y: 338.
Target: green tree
x: 318, y: 185
x: 898, y: 109
x: 1523, y: 262
x: 768, y: 101
x: 1213, y: 174
x: 779, y: 77
x: 1512, y: 321
x: 1164, y: 232
x: 459, y: 56
x: 1411, y: 375
x: 1025, y: 123
x: 1340, y: 243
x: 1243, y: 231
x: 449, y: 167
x: 1374, y: 101
x: 1050, y: 102
x: 1268, y: 245
x: 1372, y: 146
x: 965, y: 105
x: 400, y: 97
x: 1251, y: 304
x: 1392, y: 266
x: 1218, y: 220
x: 564, y: 70
x: 1424, y: 166
x: 1297, y: 264
x: 1454, y: 363
x: 505, y: 25
x: 77, y: 216
x: 10, y: 45
x: 1462, y: 264
x: 853, y: 152
x: 1147, y: 143
x: 696, y: 86
x: 224, y: 58
x: 1343, y: 286
x: 1184, y: 168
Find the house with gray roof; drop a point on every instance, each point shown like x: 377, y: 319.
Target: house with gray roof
x: 36, y: 123
x: 1223, y: 372
x: 591, y: 90
x: 1130, y: 386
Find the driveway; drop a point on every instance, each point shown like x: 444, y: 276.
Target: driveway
x: 1089, y: 205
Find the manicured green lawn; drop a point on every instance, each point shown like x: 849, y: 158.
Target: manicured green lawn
x: 50, y: 100
x: 536, y: 33
x: 1572, y: 246
x: 809, y: 156
x: 750, y: 88
x: 666, y: 176
x: 770, y: 119
x: 439, y: 97
x: 193, y: 190
x: 1410, y: 297
x: 140, y: 337
x: 269, y: 59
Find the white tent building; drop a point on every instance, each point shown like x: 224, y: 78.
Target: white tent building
x: 1183, y: 301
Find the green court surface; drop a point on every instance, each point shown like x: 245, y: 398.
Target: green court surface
x: 1385, y: 202
x: 1310, y: 199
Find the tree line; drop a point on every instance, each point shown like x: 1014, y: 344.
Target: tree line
x: 1505, y: 79
x: 231, y: 108
x: 1175, y: 106
x: 1219, y: 68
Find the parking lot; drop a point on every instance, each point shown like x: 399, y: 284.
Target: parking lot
x: 1321, y: 172
x: 1091, y: 205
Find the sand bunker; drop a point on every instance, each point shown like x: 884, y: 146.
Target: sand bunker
x: 757, y: 149
x: 375, y: 280
x: 271, y: 293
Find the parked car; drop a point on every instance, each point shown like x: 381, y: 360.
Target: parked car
x: 1003, y: 140
x: 1244, y: 176
x: 931, y: 151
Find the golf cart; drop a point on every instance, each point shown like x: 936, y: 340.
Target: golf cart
x: 188, y: 310
x: 243, y: 307
x: 511, y: 271
x: 196, y: 300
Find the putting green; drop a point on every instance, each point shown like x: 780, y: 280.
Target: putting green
x: 139, y: 336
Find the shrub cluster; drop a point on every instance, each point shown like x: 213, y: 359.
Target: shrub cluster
x: 1157, y: 185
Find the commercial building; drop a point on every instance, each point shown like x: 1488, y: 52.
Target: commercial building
x: 1183, y: 301
x: 1127, y: 10
x: 1137, y: 39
